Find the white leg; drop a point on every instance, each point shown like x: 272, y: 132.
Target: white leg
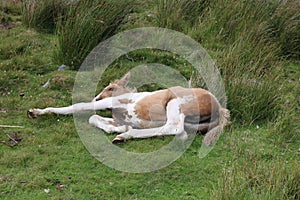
x: 174, y: 126
x: 175, y: 119
x: 76, y: 108
x: 107, y: 124
x: 140, y: 133
x: 144, y: 133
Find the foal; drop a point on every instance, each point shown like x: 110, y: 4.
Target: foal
x: 147, y: 114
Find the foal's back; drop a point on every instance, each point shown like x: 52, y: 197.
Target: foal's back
x: 193, y: 102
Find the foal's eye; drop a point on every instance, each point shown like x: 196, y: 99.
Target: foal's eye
x: 110, y: 89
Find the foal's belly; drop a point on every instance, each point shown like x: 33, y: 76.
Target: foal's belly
x: 127, y: 116
x: 156, y: 117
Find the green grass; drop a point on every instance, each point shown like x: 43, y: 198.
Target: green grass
x: 257, y: 161
x: 246, y: 40
x: 98, y: 20
x: 43, y: 15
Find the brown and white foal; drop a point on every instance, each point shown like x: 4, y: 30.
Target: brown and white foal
x: 147, y: 114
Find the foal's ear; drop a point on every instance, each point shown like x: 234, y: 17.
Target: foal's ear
x: 124, y: 80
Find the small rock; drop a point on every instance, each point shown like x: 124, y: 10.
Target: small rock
x: 47, y: 190
x: 46, y: 84
x: 151, y: 15
x: 291, y: 80
x: 63, y: 67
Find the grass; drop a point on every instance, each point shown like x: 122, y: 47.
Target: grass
x: 98, y: 20
x: 258, y: 160
x: 246, y: 39
x: 43, y: 15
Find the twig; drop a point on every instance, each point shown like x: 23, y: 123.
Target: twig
x: 8, y: 126
x: 12, y: 139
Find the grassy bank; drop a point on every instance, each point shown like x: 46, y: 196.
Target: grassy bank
x: 257, y: 157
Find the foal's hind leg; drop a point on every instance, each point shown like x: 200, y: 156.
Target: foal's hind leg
x: 175, y: 119
x: 107, y: 124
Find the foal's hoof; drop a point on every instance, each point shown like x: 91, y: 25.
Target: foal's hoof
x: 118, y: 140
x: 31, y: 113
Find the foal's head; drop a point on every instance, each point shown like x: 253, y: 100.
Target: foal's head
x: 115, y: 88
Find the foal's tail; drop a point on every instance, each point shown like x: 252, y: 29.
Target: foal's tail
x: 212, y: 135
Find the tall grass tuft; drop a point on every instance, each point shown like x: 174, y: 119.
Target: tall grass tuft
x: 255, y: 180
x: 285, y: 23
x: 250, y: 69
x: 42, y: 15
x: 288, y: 118
x: 10, y: 7
x: 87, y: 24
x: 179, y: 14
x: 249, y: 49
x: 281, y: 19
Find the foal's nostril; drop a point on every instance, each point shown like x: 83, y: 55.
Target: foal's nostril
x: 98, y: 99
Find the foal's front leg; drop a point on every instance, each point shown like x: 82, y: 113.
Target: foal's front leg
x: 109, y: 125
x: 76, y: 108
x: 145, y: 133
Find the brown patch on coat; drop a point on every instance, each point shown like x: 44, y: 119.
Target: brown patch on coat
x: 126, y: 101
x: 116, y: 88
x: 113, y: 123
x: 199, y: 103
x: 120, y: 115
x: 153, y: 107
x: 151, y: 124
